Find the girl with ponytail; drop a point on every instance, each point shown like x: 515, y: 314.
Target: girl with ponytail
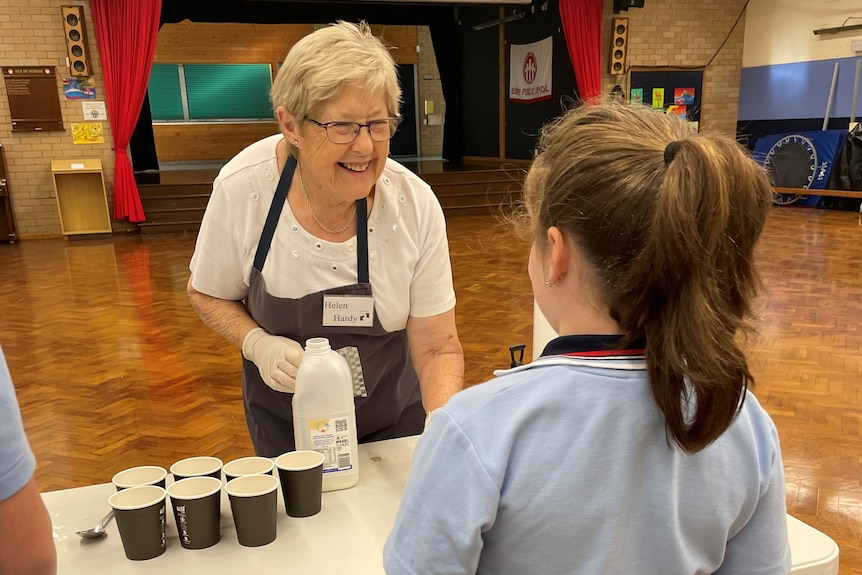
x: 634, y: 443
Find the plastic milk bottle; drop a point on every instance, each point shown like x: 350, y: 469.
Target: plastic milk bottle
x: 324, y: 415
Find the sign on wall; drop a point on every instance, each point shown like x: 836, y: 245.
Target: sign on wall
x: 95, y: 110
x: 530, y: 67
x: 34, y: 99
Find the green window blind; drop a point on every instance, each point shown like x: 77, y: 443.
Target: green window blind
x: 228, y: 91
x: 166, y: 101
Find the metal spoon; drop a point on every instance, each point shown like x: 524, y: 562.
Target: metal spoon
x: 99, y: 529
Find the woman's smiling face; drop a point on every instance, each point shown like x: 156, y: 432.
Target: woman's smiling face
x: 344, y: 171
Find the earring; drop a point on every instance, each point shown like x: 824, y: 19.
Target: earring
x: 549, y: 284
x: 296, y: 143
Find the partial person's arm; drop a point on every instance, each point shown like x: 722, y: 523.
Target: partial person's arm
x: 437, y: 357
x: 27, y: 541
x: 277, y: 358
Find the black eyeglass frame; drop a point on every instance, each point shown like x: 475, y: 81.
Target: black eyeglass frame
x: 393, y: 121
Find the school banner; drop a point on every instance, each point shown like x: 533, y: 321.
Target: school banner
x: 530, y: 71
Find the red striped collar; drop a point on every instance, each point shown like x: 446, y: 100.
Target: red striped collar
x: 592, y: 346
x: 603, y: 353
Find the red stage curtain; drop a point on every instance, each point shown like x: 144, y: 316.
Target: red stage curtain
x: 126, y: 32
x: 582, y: 27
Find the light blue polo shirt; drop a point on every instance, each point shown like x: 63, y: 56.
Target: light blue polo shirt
x: 563, y: 466
x: 17, y: 463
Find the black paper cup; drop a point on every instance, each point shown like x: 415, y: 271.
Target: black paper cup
x: 247, y: 466
x: 137, y: 476
x: 197, y: 511
x: 140, y: 515
x: 197, y: 467
x: 301, y: 476
x: 253, y: 502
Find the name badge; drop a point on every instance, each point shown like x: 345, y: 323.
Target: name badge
x: 348, y: 310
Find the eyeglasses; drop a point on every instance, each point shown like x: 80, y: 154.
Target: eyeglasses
x: 346, y: 132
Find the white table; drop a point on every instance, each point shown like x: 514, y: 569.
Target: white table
x: 347, y: 536
x: 812, y: 551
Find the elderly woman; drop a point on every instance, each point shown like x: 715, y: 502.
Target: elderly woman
x: 314, y: 232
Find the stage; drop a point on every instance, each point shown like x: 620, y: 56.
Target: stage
x: 174, y: 198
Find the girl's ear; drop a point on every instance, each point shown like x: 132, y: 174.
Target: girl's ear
x: 559, y: 252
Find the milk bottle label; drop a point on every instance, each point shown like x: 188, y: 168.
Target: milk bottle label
x: 348, y: 310
x: 331, y: 437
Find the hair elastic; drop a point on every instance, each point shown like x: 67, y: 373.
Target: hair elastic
x: 670, y: 152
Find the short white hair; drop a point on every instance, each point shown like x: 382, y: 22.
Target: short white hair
x: 321, y: 63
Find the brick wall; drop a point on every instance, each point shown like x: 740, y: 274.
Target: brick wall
x: 430, y: 137
x: 33, y: 36
x: 687, y: 33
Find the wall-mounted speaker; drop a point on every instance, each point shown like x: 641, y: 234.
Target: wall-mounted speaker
x: 626, y: 4
x: 76, y: 40
x: 619, y: 46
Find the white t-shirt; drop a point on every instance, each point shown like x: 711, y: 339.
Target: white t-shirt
x: 408, y: 251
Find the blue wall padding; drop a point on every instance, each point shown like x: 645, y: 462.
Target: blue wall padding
x: 798, y: 90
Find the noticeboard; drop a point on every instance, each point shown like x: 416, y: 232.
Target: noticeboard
x: 680, y: 88
x: 34, y: 98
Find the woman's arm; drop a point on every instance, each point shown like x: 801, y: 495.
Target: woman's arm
x: 227, y: 318
x: 277, y: 358
x: 437, y: 357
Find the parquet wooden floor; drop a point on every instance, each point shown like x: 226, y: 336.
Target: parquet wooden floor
x: 113, y: 368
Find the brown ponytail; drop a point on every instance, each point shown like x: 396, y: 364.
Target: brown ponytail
x: 669, y: 218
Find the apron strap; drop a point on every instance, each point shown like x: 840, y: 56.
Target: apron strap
x: 362, y: 241
x: 274, y: 212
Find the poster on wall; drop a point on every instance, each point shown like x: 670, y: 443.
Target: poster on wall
x: 79, y: 88
x: 683, y: 96
x: 88, y: 133
x: 658, y: 98
x: 530, y: 67
x: 637, y: 96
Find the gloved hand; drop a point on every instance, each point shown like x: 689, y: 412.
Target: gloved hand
x: 277, y: 358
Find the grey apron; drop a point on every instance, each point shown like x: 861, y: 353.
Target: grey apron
x: 393, y: 406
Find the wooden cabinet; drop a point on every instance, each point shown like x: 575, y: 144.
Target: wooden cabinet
x: 81, y: 198
x: 7, y: 220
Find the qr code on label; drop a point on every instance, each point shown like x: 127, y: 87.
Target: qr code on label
x: 340, y: 425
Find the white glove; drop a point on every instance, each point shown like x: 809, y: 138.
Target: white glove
x: 277, y: 358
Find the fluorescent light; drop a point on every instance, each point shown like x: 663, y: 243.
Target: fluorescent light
x: 837, y: 29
